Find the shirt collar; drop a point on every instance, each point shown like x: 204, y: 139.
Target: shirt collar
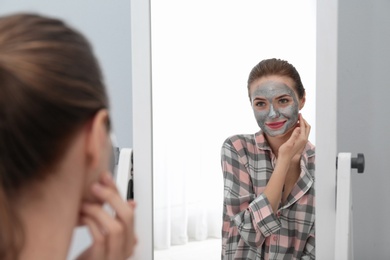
x: 262, y: 144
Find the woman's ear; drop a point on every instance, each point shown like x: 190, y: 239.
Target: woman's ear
x: 97, y: 138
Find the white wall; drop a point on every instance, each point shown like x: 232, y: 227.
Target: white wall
x: 106, y: 24
x: 363, y: 118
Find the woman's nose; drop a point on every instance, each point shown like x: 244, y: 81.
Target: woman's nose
x: 273, y: 113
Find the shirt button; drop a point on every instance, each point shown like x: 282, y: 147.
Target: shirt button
x: 278, y: 214
x: 275, y: 238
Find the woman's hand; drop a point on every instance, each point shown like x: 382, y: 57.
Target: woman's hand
x: 292, y: 149
x: 113, y: 236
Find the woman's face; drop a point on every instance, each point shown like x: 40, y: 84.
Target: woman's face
x: 275, y: 104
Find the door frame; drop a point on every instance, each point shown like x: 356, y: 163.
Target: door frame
x: 142, y: 127
x: 326, y: 127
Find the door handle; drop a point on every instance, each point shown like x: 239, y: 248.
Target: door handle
x: 357, y: 163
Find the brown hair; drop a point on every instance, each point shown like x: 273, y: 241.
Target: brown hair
x: 278, y: 67
x: 50, y: 86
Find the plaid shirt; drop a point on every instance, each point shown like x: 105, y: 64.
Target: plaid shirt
x: 250, y: 228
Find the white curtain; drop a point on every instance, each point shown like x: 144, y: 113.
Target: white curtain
x: 202, y: 52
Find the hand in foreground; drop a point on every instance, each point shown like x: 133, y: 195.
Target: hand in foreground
x: 292, y: 149
x: 113, y: 236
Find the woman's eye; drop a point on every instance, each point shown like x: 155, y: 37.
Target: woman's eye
x: 260, y: 104
x: 283, y: 100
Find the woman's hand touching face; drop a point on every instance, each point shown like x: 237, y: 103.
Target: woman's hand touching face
x: 112, y: 234
x: 293, y: 148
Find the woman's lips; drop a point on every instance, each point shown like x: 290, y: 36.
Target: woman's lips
x: 275, y: 125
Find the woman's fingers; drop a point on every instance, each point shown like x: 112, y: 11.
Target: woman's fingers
x: 302, y: 123
x: 111, y: 195
x: 112, y: 231
x: 107, y: 180
x: 124, y: 211
x: 304, y: 136
x: 287, y: 148
x: 295, y: 145
x: 307, y: 127
x: 97, y: 249
x: 113, y: 235
x: 132, y: 204
x: 295, y: 135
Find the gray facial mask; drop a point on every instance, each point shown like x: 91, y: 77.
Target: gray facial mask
x: 274, y: 111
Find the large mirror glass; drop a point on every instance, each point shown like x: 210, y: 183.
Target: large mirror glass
x: 202, y: 53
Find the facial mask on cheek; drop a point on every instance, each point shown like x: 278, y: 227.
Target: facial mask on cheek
x: 289, y: 114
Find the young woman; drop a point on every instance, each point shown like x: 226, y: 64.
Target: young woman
x: 269, y: 176
x: 55, y: 146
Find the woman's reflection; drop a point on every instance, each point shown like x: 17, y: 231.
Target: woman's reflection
x: 269, y: 201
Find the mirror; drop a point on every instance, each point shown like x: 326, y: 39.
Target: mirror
x: 202, y: 53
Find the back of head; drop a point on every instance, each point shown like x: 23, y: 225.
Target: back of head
x: 50, y: 86
x: 269, y: 67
